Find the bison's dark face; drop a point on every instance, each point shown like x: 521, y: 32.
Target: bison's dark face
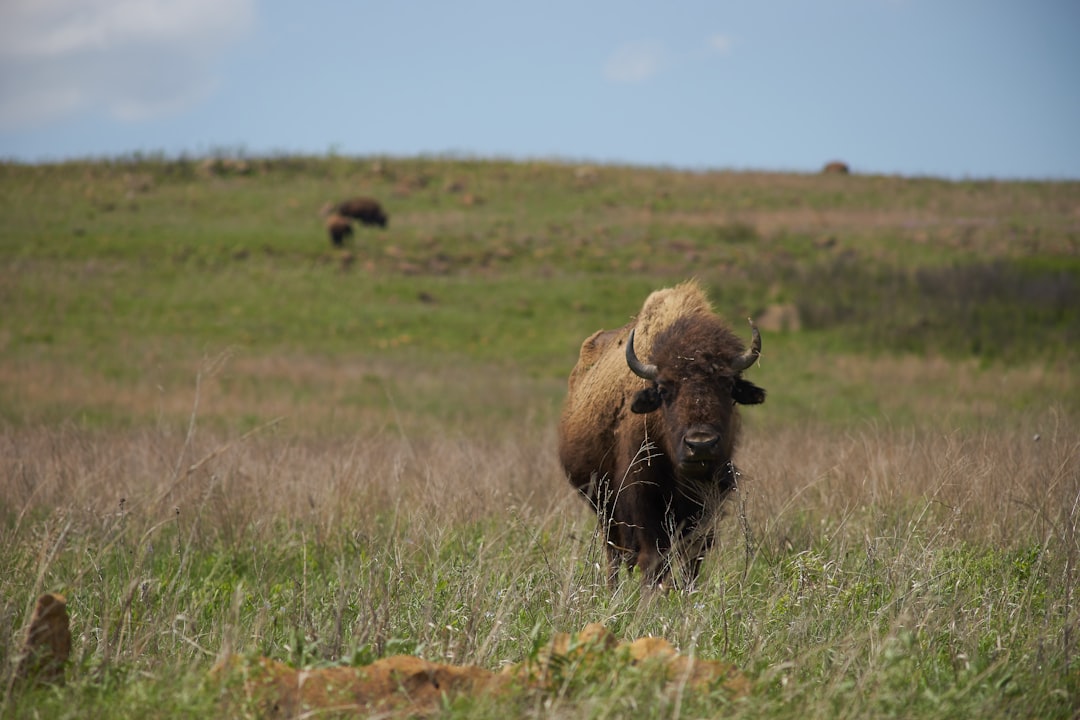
x: 695, y: 383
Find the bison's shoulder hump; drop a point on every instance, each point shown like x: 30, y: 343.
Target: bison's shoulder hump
x: 663, y: 307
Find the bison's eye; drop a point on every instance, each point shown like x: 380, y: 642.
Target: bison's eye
x: 667, y: 393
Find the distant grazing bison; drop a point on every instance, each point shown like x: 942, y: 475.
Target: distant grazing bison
x: 366, y: 210
x: 836, y: 167
x: 649, y: 443
x: 339, y: 228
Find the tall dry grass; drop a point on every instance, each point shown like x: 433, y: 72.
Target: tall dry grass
x: 864, y: 566
x: 1000, y: 485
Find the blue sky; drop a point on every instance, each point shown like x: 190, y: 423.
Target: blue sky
x: 950, y: 88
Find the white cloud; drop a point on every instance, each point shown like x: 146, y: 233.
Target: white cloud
x: 720, y: 43
x: 133, y: 59
x: 635, y: 63
x: 638, y: 62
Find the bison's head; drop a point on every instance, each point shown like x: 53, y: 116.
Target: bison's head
x: 694, y: 383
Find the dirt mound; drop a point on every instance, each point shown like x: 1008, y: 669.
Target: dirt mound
x: 47, y: 644
x: 401, y: 683
x: 595, y: 654
x: 407, y: 686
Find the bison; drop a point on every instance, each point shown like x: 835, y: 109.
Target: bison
x: 366, y: 210
x: 339, y: 228
x: 649, y: 443
x: 836, y: 167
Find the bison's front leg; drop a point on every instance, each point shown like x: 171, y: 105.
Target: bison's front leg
x: 616, y: 554
x: 640, y: 508
x: 653, y: 546
x: 655, y: 570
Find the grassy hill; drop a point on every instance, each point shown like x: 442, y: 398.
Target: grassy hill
x: 219, y: 433
x: 127, y: 272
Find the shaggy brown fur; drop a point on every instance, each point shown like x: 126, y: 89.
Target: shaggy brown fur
x: 339, y: 228
x: 836, y: 168
x: 653, y: 458
x: 366, y: 210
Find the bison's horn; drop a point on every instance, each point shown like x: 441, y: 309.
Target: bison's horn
x: 648, y: 372
x: 749, y: 357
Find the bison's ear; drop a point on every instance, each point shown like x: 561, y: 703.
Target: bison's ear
x: 747, y: 393
x: 645, y: 401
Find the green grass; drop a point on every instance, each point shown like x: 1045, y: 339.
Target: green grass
x: 216, y: 434
x: 911, y: 580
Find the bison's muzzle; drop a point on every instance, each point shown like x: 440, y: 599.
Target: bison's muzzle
x: 701, y: 455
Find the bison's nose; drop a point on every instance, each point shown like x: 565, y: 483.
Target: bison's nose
x: 700, y: 441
